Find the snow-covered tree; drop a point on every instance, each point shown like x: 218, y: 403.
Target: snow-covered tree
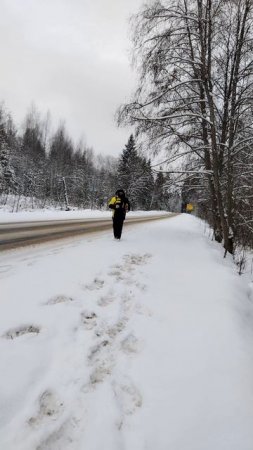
x: 7, y: 174
x: 195, y: 93
x: 160, y: 196
x: 135, y: 176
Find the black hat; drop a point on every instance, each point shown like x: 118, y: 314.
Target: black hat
x: 120, y: 192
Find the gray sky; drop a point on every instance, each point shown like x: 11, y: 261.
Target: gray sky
x: 70, y: 57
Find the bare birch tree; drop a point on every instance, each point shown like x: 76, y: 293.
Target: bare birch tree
x: 195, y: 92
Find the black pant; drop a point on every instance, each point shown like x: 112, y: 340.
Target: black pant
x: 117, y: 226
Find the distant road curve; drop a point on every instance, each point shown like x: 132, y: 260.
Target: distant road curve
x: 16, y: 234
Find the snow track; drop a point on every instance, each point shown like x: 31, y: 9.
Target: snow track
x: 55, y: 423
x: 109, y: 339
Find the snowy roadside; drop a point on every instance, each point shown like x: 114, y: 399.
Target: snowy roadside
x: 140, y: 344
x: 45, y: 214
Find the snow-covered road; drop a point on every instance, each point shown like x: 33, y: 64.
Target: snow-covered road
x: 140, y: 344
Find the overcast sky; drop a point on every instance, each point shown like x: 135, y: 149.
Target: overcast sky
x: 71, y: 57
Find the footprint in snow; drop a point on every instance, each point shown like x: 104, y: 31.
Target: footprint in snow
x: 50, y: 406
x: 105, y: 300
x: 53, y: 441
x: 95, y: 285
x: 137, y: 260
x: 130, y: 344
x: 118, y: 274
x: 101, y: 358
x: 89, y: 319
x: 127, y: 302
x: 100, y: 373
x: 59, y: 299
x: 95, y: 352
x: 127, y: 395
x: 114, y: 330
x: 64, y: 436
x: 20, y: 331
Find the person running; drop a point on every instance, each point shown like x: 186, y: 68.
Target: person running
x: 120, y: 206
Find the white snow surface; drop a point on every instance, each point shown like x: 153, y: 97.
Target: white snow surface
x: 140, y: 344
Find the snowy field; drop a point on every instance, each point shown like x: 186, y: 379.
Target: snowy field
x: 142, y: 344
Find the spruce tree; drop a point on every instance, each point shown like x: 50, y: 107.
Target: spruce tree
x: 135, y: 176
x: 127, y: 166
x: 7, y: 177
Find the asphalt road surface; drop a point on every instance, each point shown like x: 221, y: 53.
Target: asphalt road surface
x: 16, y: 234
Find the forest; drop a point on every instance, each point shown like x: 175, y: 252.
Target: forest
x: 46, y: 170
